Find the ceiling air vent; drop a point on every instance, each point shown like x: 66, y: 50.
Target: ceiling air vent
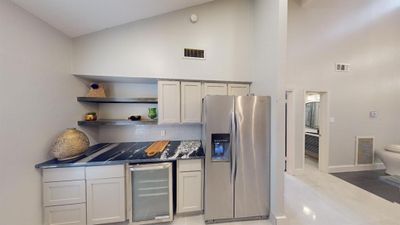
x: 194, y: 53
x: 342, y: 67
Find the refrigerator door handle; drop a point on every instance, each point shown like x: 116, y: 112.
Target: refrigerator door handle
x: 232, y: 129
x: 236, y: 144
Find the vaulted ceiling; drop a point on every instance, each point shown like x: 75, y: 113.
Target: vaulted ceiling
x: 80, y: 17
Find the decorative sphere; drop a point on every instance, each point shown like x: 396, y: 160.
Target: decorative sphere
x: 70, y: 144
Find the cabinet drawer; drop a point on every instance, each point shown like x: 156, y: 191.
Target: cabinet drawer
x: 189, y: 165
x: 65, y: 215
x: 63, y: 193
x: 63, y: 174
x: 103, y: 172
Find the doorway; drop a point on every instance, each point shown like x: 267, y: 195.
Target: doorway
x: 311, y: 129
x: 316, y: 130
x: 289, y: 132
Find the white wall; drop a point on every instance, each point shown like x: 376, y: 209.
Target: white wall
x: 154, y: 47
x: 270, y: 19
x: 38, y: 93
x: 365, y: 34
x: 38, y: 101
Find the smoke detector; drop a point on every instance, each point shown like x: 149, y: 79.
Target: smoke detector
x: 194, y: 18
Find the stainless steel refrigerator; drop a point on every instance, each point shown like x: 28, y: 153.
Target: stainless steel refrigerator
x: 236, y: 138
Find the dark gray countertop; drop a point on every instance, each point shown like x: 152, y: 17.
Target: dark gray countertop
x: 129, y: 152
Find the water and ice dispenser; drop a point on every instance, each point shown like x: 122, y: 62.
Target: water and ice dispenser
x: 220, y: 147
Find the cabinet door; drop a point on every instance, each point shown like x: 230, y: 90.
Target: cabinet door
x: 169, y: 102
x: 190, y: 192
x: 238, y: 89
x: 105, y: 200
x: 191, y: 102
x: 65, y: 215
x: 215, y: 89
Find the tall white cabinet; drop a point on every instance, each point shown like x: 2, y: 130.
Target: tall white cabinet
x: 169, y: 102
x: 191, y: 102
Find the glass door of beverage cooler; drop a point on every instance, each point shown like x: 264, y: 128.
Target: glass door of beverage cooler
x: 151, y: 193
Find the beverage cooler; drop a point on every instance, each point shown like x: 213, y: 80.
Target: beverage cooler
x: 150, y: 193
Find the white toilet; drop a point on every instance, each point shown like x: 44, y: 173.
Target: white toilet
x: 390, y: 156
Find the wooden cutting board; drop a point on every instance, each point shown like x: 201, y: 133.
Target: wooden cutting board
x: 156, y: 147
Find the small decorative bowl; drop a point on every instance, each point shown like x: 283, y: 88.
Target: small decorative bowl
x: 135, y: 118
x: 91, y: 116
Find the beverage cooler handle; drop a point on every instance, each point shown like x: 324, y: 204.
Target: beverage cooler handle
x: 149, y: 167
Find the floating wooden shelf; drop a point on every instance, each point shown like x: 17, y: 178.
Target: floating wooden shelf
x: 112, y: 122
x: 118, y: 100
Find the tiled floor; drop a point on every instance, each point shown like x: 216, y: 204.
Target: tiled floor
x: 311, y: 162
x: 370, y: 181
x: 317, y: 198
x: 198, y: 220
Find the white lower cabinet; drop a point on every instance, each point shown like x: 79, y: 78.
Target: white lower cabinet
x: 189, y: 192
x: 80, y: 196
x: 64, y: 196
x: 190, y: 186
x: 105, y: 194
x: 105, y: 200
x: 65, y: 215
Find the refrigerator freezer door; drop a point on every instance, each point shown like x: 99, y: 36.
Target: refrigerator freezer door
x: 252, y: 118
x: 217, y: 118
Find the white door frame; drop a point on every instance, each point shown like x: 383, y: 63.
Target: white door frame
x: 324, y: 117
x: 290, y: 131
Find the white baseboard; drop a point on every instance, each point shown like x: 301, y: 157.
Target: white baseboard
x: 279, y: 220
x: 298, y: 172
x: 354, y: 168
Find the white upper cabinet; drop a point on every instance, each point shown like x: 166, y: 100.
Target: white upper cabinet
x: 215, y: 89
x: 191, y: 102
x: 169, y: 102
x: 238, y: 89
x: 181, y: 101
